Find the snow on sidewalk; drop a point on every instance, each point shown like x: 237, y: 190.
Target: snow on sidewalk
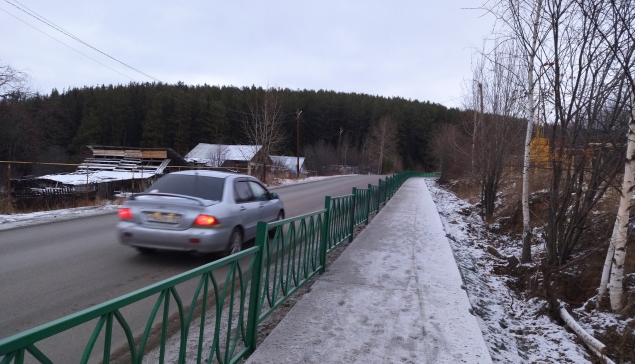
x: 394, y: 295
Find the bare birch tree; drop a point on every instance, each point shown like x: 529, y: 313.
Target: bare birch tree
x: 320, y: 156
x: 13, y: 83
x: 449, y: 149
x: 614, y: 20
x: 498, y: 133
x: 586, y: 97
x: 217, y: 155
x: 523, y: 18
x: 264, y: 127
x: 383, y: 141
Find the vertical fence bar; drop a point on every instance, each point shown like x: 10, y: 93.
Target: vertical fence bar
x: 368, y: 204
x: 326, y: 232
x: 383, y: 183
x: 256, y: 280
x: 353, y: 203
x: 381, y: 198
x: 108, y: 338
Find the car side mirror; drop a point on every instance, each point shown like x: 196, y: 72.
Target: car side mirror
x: 273, y: 196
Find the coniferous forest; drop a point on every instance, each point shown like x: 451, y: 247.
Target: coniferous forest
x: 58, y: 126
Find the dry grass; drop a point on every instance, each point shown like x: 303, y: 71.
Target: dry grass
x: 577, y: 284
x: 6, y: 207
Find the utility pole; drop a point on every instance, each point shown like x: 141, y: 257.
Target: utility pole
x: 339, y: 143
x: 297, y: 150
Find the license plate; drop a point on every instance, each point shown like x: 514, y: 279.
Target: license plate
x: 163, y: 217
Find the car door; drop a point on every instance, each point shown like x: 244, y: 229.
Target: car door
x: 249, y: 208
x: 268, y: 208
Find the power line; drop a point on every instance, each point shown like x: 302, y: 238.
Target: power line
x: 57, y: 40
x: 59, y: 29
x: 49, y: 23
x: 112, y: 69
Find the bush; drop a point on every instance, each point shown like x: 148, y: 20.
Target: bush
x: 6, y: 207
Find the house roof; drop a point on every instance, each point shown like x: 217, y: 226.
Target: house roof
x: 288, y: 162
x: 204, y: 153
x: 80, y: 178
x: 143, y: 153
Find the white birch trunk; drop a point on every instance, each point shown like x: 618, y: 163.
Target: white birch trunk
x: 531, y: 116
x: 616, y: 288
x: 596, y: 346
x: 606, y: 272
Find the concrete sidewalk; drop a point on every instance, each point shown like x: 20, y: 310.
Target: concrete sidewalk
x: 393, y: 296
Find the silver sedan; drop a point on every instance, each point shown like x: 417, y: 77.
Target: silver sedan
x: 198, y: 211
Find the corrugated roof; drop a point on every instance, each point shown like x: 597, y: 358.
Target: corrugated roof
x: 205, y: 153
x: 288, y: 162
x: 79, y: 178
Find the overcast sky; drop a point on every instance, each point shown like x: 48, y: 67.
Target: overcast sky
x: 418, y: 49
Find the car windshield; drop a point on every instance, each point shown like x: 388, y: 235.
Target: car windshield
x: 208, y: 188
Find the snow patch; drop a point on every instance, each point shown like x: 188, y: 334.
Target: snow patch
x: 515, y: 330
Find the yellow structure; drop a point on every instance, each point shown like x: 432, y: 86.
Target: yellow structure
x: 539, y: 152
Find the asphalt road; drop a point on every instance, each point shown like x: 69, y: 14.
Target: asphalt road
x: 53, y: 270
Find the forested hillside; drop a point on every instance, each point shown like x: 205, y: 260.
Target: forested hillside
x: 56, y: 127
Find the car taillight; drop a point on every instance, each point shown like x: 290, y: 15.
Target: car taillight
x: 125, y: 213
x: 206, y: 221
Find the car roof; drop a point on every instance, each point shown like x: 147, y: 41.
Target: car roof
x: 207, y: 173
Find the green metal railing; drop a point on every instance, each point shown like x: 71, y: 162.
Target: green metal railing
x: 230, y: 294
x: 340, y: 213
x: 362, y: 207
x: 291, y: 257
x: 286, y: 255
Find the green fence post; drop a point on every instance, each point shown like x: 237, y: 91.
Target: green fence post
x: 262, y: 234
x: 326, y: 231
x: 378, y: 199
x: 383, y: 198
x: 382, y: 186
x: 353, y: 203
x: 368, y: 204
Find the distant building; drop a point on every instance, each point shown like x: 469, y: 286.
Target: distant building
x: 109, y: 169
x: 244, y: 157
x: 288, y: 164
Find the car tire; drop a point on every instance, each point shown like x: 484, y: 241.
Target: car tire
x: 146, y: 250
x: 235, y: 242
x: 272, y: 232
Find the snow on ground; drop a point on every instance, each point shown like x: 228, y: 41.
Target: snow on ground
x: 285, y: 182
x: 43, y: 217
x: 514, y: 328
